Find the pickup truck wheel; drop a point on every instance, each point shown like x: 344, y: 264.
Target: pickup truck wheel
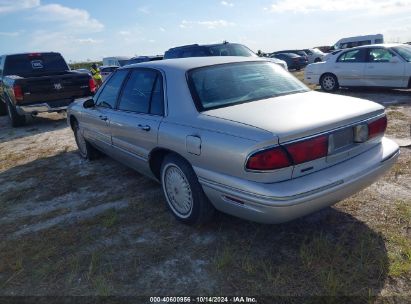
x: 86, y: 150
x: 329, y: 83
x: 16, y: 119
x: 3, y: 109
x: 184, y: 195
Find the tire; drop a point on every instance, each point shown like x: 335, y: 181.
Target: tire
x: 329, y: 83
x: 86, y: 150
x: 184, y: 195
x: 16, y: 119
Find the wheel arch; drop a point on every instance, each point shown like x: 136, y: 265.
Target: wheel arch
x: 327, y: 73
x: 73, y: 120
x: 156, y: 159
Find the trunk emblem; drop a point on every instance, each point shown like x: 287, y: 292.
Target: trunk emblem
x: 58, y: 86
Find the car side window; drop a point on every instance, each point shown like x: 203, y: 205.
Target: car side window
x: 108, y: 97
x: 377, y: 55
x: 143, y: 93
x: 353, y: 56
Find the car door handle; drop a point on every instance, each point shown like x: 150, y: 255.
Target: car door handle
x: 144, y: 128
x: 102, y: 117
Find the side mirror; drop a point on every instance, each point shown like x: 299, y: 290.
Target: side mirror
x: 89, y: 103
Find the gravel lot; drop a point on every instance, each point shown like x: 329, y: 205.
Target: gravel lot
x: 73, y: 227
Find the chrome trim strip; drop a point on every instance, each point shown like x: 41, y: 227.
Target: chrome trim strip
x: 221, y: 187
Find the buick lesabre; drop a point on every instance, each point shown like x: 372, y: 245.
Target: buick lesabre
x: 240, y: 135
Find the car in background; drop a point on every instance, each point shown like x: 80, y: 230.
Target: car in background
x: 106, y: 71
x: 294, y: 61
x: 297, y: 52
x: 220, y: 49
x: 350, y: 42
x: 383, y: 65
x: 84, y: 71
x: 140, y: 59
x: 314, y: 55
x: 116, y: 61
x: 236, y: 134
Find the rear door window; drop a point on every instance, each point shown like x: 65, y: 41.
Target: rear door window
x: 109, y: 94
x: 377, y: 55
x: 143, y: 93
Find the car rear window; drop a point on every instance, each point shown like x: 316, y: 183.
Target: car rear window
x: 229, y: 84
x: 35, y: 64
x: 404, y: 51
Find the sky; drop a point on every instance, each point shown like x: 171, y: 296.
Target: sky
x: 92, y: 29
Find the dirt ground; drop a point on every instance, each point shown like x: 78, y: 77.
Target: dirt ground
x: 73, y: 227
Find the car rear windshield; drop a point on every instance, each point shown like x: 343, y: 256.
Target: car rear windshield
x: 404, y: 51
x: 26, y: 65
x: 229, y: 84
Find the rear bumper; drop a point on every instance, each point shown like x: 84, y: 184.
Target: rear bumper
x: 311, y: 78
x: 40, y: 108
x: 285, y: 201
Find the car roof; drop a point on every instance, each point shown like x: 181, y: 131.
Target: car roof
x: 185, y: 64
x: 201, y: 45
x: 288, y: 54
x: 387, y: 45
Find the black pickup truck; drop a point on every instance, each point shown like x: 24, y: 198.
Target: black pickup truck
x: 32, y: 83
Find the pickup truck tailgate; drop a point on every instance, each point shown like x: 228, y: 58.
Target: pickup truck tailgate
x: 54, y: 89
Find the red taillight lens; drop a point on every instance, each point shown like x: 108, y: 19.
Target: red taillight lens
x: 377, y: 127
x: 31, y: 55
x: 92, y: 85
x: 308, y: 150
x: 18, y: 92
x: 270, y: 159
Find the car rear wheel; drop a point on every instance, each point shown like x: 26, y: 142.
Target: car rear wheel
x: 16, y: 119
x: 184, y: 195
x: 86, y: 150
x: 329, y: 83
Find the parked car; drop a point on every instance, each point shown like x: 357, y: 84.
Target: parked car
x: 31, y: 83
x: 140, y: 59
x: 351, y: 42
x: 236, y: 134
x: 220, y: 49
x: 314, y: 55
x: 116, y: 61
x: 297, y: 52
x: 106, y: 71
x: 384, y: 65
x: 294, y: 61
x: 84, y: 71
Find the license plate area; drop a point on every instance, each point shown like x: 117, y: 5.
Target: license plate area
x: 340, y: 141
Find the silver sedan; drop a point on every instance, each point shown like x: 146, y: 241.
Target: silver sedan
x: 240, y: 135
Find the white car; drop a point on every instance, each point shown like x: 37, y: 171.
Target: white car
x: 382, y: 65
x: 314, y: 55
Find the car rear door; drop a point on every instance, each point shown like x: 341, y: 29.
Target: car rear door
x: 135, y: 124
x: 384, y: 69
x: 96, y: 121
x: 349, y: 67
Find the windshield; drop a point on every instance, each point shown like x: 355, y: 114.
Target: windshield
x: 229, y: 84
x: 404, y: 51
x: 231, y: 50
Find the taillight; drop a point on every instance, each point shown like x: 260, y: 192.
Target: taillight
x: 270, y: 159
x: 18, y: 92
x: 377, y: 127
x: 92, y: 85
x: 308, y: 150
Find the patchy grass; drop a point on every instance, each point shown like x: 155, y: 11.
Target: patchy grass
x: 360, y: 247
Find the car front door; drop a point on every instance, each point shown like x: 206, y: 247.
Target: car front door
x: 384, y: 69
x: 96, y: 120
x: 135, y: 123
x: 349, y: 67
